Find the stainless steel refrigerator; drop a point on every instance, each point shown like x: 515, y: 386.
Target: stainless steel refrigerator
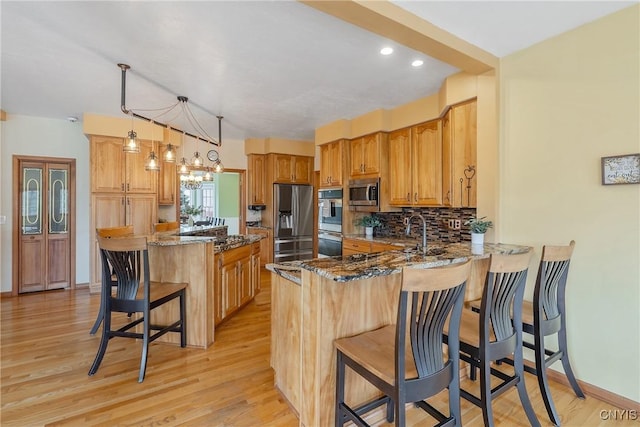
x: 293, y: 222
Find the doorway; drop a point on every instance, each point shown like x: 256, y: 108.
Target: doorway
x: 44, y: 223
x: 222, y: 198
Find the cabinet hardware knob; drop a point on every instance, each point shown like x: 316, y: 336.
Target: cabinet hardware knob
x: 415, y: 197
x: 127, y: 186
x: 122, y: 186
x: 408, y: 197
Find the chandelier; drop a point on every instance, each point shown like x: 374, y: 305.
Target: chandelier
x: 191, y: 181
x: 170, y: 114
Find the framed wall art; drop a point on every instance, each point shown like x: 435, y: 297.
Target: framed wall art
x: 623, y: 169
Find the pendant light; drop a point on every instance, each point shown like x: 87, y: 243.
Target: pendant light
x: 169, y: 154
x: 183, y: 167
x: 152, y: 163
x: 131, y: 143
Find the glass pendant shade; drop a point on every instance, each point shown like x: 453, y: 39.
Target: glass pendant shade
x: 218, y: 167
x: 170, y: 154
x: 152, y: 163
x: 131, y: 143
x: 196, y: 160
x: 208, y: 176
x: 183, y: 167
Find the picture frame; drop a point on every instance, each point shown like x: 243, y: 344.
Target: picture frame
x: 621, y: 169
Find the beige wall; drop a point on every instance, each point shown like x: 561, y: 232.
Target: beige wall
x: 565, y: 103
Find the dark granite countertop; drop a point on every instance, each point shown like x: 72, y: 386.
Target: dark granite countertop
x: 221, y: 244
x: 362, y: 266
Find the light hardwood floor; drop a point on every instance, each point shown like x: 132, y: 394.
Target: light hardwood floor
x: 46, y: 351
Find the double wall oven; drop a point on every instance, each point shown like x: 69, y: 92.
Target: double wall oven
x: 329, y: 223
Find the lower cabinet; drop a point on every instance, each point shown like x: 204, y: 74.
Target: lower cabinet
x: 237, y: 280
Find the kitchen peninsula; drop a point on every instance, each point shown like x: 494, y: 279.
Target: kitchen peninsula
x: 223, y: 273
x: 313, y: 302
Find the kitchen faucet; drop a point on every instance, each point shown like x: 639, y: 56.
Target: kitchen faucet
x: 424, y: 231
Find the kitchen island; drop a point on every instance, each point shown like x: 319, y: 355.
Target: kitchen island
x: 222, y: 272
x: 314, y: 302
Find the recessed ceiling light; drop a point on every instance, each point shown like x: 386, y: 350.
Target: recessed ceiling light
x: 417, y: 62
x: 72, y: 119
x: 386, y: 51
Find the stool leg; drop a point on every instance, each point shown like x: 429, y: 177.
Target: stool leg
x: 541, y: 374
x: 562, y: 344
x: 183, y: 319
x: 98, y: 321
x: 145, y: 345
x: 339, y: 419
x: 485, y: 392
x: 104, y: 341
x: 518, y: 366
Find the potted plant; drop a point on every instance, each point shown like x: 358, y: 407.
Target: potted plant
x: 478, y: 227
x: 368, y: 222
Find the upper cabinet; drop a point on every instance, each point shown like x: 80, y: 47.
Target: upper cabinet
x: 290, y: 169
x: 365, y: 156
x: 167, y: 182
x: 256, y: 179
x: 459, y: 140
x: 415, y: 165
x: 114, y: 171
x: 331, y: 164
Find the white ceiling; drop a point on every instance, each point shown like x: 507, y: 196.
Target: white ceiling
x: 271, y: 68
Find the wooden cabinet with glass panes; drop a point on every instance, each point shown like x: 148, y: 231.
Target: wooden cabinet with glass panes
x: 331, y: 164
x: 459, y: 148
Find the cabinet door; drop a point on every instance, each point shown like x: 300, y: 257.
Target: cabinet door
x: 141, y: 212
x: 255, y: 273
x: 464, y: 137
x: 229, y: 275
x: 256, y: 177
x: 107, y: 165
x: 447, y: 161
x: 335, y: 163
x: 218, y: 294
x: 139, y: 180
x: 245, y: 288
x: 283, y: 168
x: 427, y: 164
x: 302, y: 169
x: 400, y: 167
x: 371, y: 154
x: 168, y: 183
x: 325, y: 165
x: 356, y: 149
x: 108, y: 210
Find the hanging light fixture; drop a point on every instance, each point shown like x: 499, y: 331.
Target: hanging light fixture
x: 169, y: 154
x: 191, y: 181
x: 152, y: 163
x: 131, y: 143
x: 183, y: 167
x: 199, y: 134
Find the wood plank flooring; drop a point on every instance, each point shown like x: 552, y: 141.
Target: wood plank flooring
x: 46, y: 351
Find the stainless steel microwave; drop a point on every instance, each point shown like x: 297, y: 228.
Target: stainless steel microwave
x: 364, y: 194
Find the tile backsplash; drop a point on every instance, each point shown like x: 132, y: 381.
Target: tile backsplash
x: 393, y: 224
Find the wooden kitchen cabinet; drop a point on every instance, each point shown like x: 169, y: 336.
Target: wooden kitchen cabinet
x: 167, y: 182
x: 122, y: 193
x: 365, y: 155
x: 331, y: 164
x: 116, y: 210
x: 459, y: 155
x: 233, y: 286
x: 114, y: 171
x: 255, y: 268
x: 289, y: 169
x: 415, y: 165
x: 256, y: 173
x: 266, y: 243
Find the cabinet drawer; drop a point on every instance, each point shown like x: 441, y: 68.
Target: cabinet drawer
x: 234, y: 255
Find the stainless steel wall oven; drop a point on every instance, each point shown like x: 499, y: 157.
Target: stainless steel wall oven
x: 329, y: 223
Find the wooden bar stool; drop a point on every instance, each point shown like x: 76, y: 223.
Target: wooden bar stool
x: 135, y: 293
x: 109, y: 232
x: 405, y: 361
x: 545, y: 316
x: 491, y: 335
